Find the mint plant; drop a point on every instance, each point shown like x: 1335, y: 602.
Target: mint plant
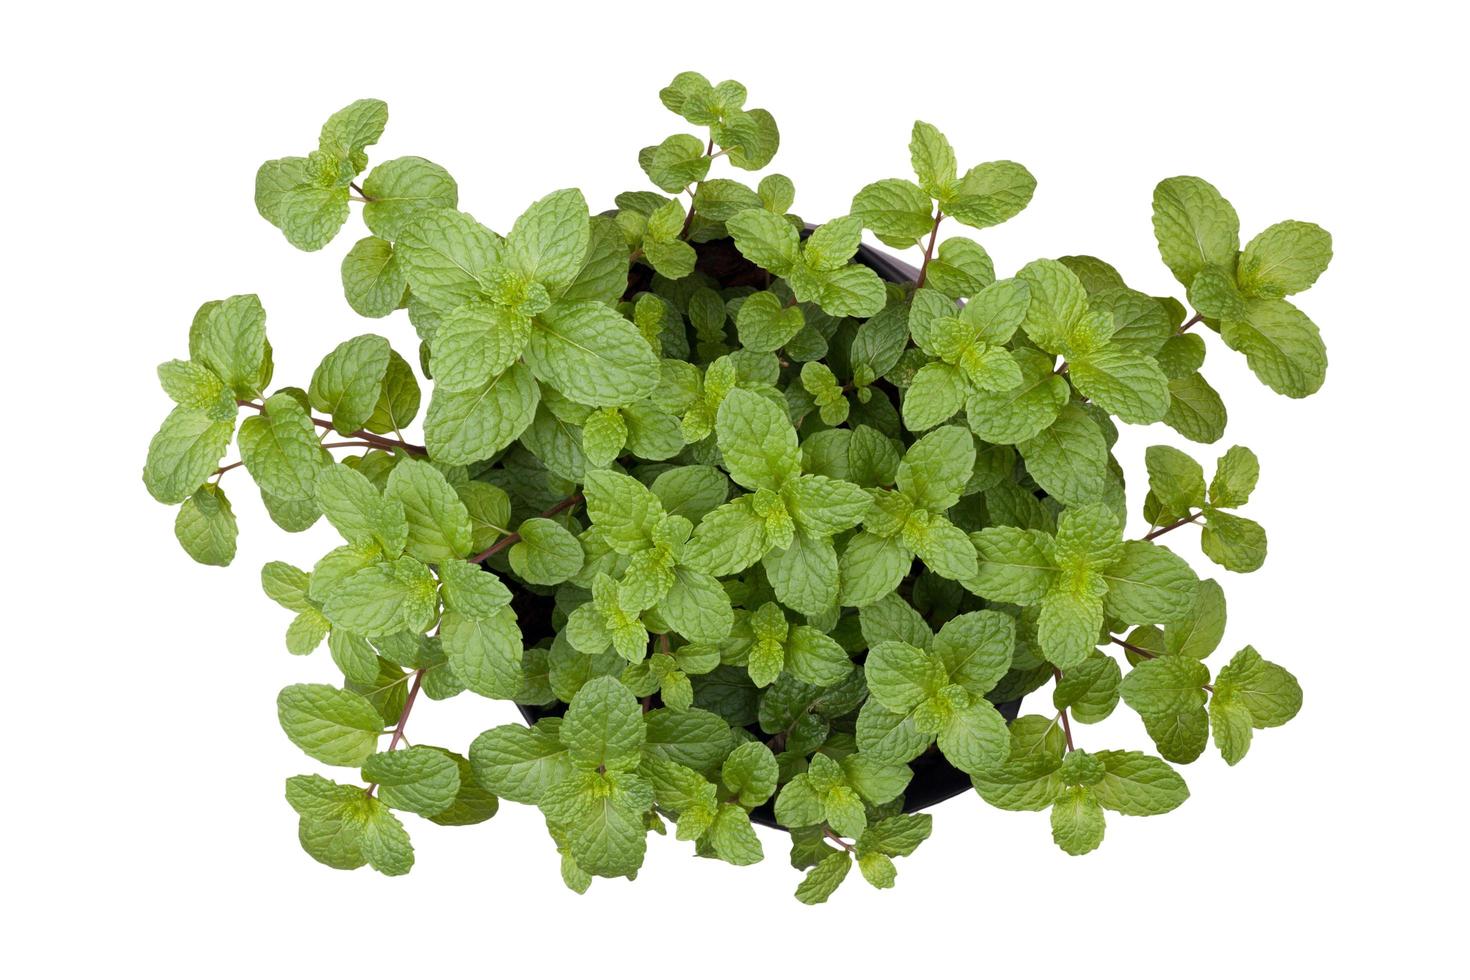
x: 747, y: 528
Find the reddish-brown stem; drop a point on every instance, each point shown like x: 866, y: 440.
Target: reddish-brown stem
x: 1169, y: 527
x: 1190, y: 322
x: 362, y: 193
x: 226, y: 469
x: 929, y: 250
x: 1066, y: 722
x: 413, y: 693
x: 514, y: 536
x: 372, y: 438
x: 1133, y: 648
x: 833, y: 837
x: 1140, y: 651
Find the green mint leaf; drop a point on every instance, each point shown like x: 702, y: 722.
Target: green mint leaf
x: 1195, y: 409
x: 483, y: 650
x: 1068, y: 459
x: 348, y: 131
x: 358, y: 510
x: 766, y: 239
x: 1235, y: 478
x: 305, y: 197
x: 281, y: 450
x: 592, y: 355
x: 1195, y: 227
x: 750, y: 773
x: 604, y: 726
x: 549, y: 241
x: 1166, y: 686
x: 468, y: 426
x: 1269, y: 692
x: 1175, y: 480
x: 871, y: 567
x: 1138, y: 785
x: 899, y: 212
x: 756, y: 440
x: 764, y: 323
x: 1020, y: 413
x: 206, y: 527
x: 447, y: 256
x: 675, y: 163
x: 1149, y: 584
x: 822, y: 880
x: 420, y: 780
x: 547, y: 553
x: 1286, y: 258
x: 1090, y: 689
x: 1280, y: 344
x: 477, y: 341
x: 228, y: 337
x: 195, y: 386
x: 333, y: 726
x: 372, y: 278
x: 400, y: 190
x: 349, y: 380
x: 1232, y: 541
x: 989, y: 194
x: 1077, y: 822
x: 520, y: 764
x: 438, y: 521
x: 384, y: 599
x: 936, y: 468
x: 933, y: 159
x: 900, y: 676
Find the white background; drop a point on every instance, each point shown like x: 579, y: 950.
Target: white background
x: 143, y: 786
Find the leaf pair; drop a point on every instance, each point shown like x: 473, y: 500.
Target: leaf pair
x: 910, y: 520
x: 874, y: 850
x: 1177, y: 493
x: 901, y: 212
x: 818, y: 270
x: 969, y: 344
x: 1076, y: 786
x: 306, y: 197
x: 1084, y: 573
x: 787, y: 521
x: 923, y: 687
x: 1243, y: 291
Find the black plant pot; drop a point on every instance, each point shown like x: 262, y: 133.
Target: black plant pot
x: 935, y: 780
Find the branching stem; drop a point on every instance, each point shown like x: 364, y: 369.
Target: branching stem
x: 1156, y: 532
x: 371, y: 438
x: 413, y: 693
x: 515, y: 536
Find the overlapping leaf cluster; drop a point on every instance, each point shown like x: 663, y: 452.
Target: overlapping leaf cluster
x: 755, y: 528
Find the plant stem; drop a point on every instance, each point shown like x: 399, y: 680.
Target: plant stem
x: 709, y: 151
x: 1169, y: 527
x: 413, y: 693
x: 833, y: 837
x: 929, y: 250
x: 1190, y: 322
x: 359, y: 190
x: 1140, y: 651
x: 375, y: 440
x: 515, y: 536
x: 1133, y: 648
x: 1066, y: 722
